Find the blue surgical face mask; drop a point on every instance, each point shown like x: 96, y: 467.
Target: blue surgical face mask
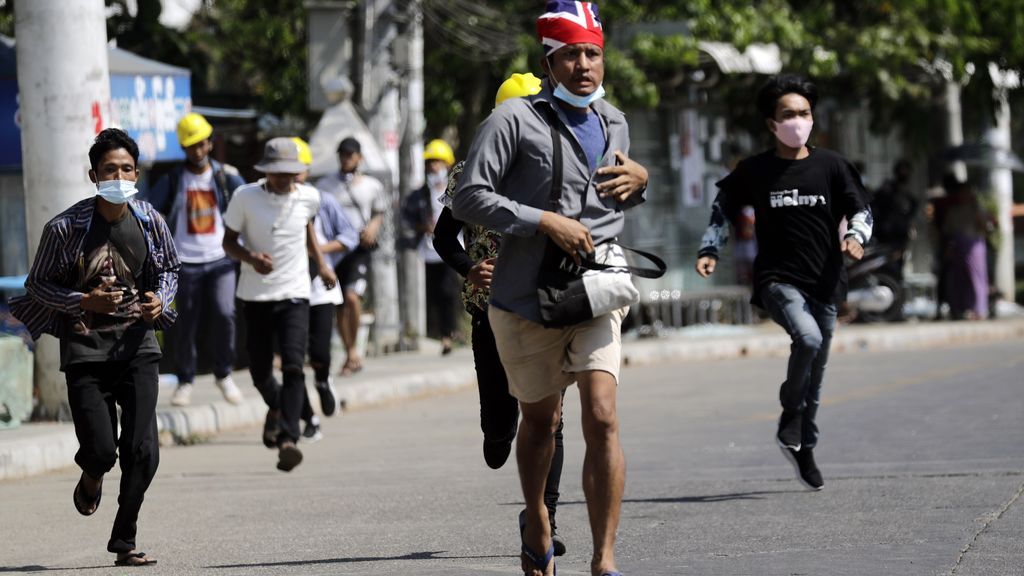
x: 116, y: 191
x: 575, y: 100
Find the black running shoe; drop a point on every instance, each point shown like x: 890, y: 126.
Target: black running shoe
x: 271, y: 428
x: 311, y: 432
x: 556, y: 540
x: 328, y: 398
x: 790, y: 430
x: 806, y: 470
x: 496, y: 452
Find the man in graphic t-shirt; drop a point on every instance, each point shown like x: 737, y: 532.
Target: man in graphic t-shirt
x: 100, y: 281
x: 799, y: 194
x: 192, y: 198
x: 362, y: 198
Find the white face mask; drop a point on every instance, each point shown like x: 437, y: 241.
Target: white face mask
x: 116, y: 191
x: 439, y: 178
x: 577, y: 101
x: 793, y: 132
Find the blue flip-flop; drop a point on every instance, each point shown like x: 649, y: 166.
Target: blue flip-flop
x: 538, y: 562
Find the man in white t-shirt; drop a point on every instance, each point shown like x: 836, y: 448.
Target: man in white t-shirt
x: 191, y: 199
x: 362, y: 198
x: 274, y: 219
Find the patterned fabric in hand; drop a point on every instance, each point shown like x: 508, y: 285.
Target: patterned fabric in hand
x: 481, y: 243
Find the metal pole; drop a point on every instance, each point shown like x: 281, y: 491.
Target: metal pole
x: 1001, y: 183
x: 64, y: 86
x: 954, y: 126
x: 413, y: 289
x: 381, y: 96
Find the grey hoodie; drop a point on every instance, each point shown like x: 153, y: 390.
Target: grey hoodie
x: 506, y: 185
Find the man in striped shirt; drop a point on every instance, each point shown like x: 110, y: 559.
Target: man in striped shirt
x: 103, y: 272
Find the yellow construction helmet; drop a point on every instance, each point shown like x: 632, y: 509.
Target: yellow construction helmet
x: 439, y: 150
x: 305, y: 154
x: 517, y: 86
x: 193, y: 128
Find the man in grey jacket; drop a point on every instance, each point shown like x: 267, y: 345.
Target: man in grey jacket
x: 506, y: 186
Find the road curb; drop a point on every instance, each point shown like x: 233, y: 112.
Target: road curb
x: 38, y: 454
x: 773, y: 341
x: 190, y: 424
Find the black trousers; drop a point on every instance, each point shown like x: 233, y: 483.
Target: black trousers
x: 442, y: 300
x: 95, y: 389
x: 287, y: 321
x: 499, y: 410
x: 321, y: 327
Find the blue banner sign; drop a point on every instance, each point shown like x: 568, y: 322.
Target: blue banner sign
x: 148, y: 108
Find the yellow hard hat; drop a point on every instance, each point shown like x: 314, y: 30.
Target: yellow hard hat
x: 517, y: 86
x: 439, y: 150
x: 193, y: 128
x: 305, y: 154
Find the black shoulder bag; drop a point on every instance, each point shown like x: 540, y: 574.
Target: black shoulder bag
x: 571, y: 293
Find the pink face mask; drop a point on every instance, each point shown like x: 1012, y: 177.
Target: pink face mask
x: 793, y: 132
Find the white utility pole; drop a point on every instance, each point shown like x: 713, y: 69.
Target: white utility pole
x: 379, y: 96
x: 1001, y: 179
x: 414, y: 281
x: 954, y: 125
x: 64, y: 86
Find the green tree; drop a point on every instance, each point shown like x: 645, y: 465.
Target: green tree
x: 7, y: 17
x: 252, y: 50
x: 880, y: 50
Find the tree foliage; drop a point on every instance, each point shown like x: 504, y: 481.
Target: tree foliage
x: 896, y: 54
x: 240, y: 52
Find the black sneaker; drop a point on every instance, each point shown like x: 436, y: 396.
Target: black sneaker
x: 328, y: 398
x: 271, y: 428
x: 790, y: 429
x: 288, y: 456
x: 806, y: 470
x: 496, y: 452
x: 311, y: 432
x: 556, y: 540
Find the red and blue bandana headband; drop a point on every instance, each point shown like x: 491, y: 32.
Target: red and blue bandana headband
x: 566, y: 23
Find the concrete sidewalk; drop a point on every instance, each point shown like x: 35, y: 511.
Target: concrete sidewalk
x: 37, y: 448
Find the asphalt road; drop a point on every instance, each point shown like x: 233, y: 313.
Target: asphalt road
x: 922, y: 452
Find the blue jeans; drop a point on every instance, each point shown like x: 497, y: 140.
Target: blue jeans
x: 206, y: 293
x: 809, y: 324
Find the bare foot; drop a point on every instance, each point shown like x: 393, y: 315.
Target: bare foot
x: 352, y: 365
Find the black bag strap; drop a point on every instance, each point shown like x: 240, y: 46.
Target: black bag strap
x: 556, y: 159
x: 556, y: 195
x: 222, y: 183
x: 644, y: 272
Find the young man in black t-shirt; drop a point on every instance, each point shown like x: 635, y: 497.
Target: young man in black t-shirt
x: 101, y: 279
x: 800, y: 195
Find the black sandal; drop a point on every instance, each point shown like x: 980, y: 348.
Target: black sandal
x: 135, y: 559
x: 83, y: 504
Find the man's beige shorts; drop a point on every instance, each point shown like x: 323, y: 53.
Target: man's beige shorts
x: 543, y: 361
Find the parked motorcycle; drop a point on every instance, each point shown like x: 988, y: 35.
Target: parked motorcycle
x: 876, y: 293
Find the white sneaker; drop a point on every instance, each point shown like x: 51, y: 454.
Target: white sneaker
x: 182, y: 395
x: 231, y: 392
